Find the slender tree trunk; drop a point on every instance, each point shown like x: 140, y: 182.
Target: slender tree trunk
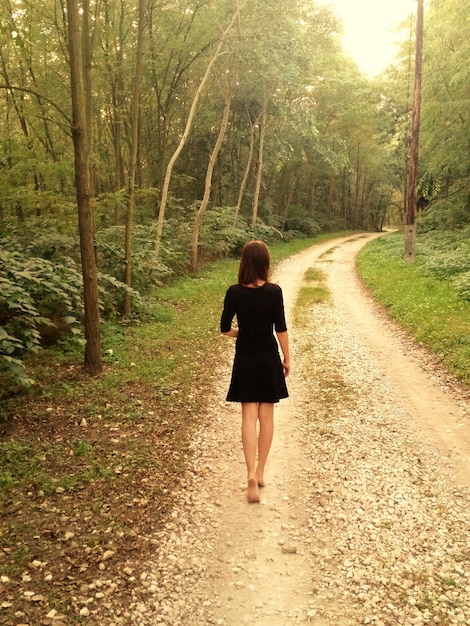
x: 184, y: 137
x: 259, y: 165
x: 343, y: 198
x: 246, y: 173
x: 133, y: 156
x: 290, y: 196
x: 93, y: 362
x: 410, y: 228
x: 208, y: 185
x: 331, y: 189
x: 311, y: 195
x: 357, y: 189
x: 114, y: 66
x: 86, y: 61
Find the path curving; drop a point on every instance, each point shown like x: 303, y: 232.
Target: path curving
x: 365, y: 516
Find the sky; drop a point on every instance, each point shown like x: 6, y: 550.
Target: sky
x: 370, y: 30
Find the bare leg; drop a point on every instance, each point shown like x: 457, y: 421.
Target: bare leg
x: 250, y: 444
x: 265, y: 437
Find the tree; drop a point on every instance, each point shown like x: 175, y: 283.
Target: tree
x: 80, y: 133
x: 134, y: 149
x: 210, y: 170
x: 189, y: 121
x: 444, y: 154
x: 410, y: 228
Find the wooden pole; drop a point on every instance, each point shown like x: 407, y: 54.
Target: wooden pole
x: 410, y: 227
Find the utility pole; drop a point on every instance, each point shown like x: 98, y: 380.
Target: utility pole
x: 410, y: 226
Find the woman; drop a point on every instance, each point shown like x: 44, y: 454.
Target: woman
x: 258, y: 375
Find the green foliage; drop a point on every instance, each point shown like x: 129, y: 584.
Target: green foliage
x: 82, y: 447
x: 219, y: 237
x: 301, y: 222
x: 314, y: 274
x: 313, y: 291
x: 147, y: 270
x: 445, y: 118
x: 19, y: 463
x: 462, y: 285
x: 445, y: 214
x: 446, y: 256
x: 39, y: 299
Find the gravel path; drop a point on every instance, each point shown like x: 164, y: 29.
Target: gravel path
x: 365, y: 518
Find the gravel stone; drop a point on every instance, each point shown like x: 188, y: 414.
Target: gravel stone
x: 365, y: 516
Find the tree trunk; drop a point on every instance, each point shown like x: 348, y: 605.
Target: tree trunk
x: 259, y: 165
x: 86, y: 61
x: 114, y: 66
x: 93, y: 362
x: 290, y: 196
x: 210, y: 169
x: 133, y: 155
x: 410, y: 229
x: 184, y: 137
x: 311, y: 195
x: 246, y: 173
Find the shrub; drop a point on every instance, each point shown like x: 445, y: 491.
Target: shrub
x: 147, y: 271
x: 462, y: 285
x: 302, y: 223
x: 219, y: 238
x: 446, y: 254
x: 445, y: 214
x: 37, y: 298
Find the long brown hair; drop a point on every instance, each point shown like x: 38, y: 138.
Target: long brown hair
x: 254, y: 263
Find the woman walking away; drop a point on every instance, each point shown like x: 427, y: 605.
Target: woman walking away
x: 258, y: 375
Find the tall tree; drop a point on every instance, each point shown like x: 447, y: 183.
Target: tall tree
x: 444, y: 153
x: 410, y: 228
x: 259, y: 162
x: 80, y: 133
x: 209, y: 173
x: 166, y: 185
x: 134, y: 148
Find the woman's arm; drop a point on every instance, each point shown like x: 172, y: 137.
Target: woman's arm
x: 233, y: 332
x: 283, y: 339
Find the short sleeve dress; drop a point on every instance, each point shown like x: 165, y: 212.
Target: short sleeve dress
x: 257, y: 373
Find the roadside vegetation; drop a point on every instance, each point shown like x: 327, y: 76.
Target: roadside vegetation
x: 430, y: 298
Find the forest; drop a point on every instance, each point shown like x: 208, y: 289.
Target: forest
x: 141, y: 139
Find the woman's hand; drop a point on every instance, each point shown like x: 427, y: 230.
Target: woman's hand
x: 286, y: 368
x: 233, y: 332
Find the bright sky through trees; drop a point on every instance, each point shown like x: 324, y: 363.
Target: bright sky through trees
x: 370, y: 30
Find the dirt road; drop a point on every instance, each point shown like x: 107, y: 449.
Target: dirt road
x: 365, y: 515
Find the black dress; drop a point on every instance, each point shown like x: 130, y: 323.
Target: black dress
x: 257, y: 373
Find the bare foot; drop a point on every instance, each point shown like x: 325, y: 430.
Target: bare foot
x: 260, y: 479
x: 252, y: 493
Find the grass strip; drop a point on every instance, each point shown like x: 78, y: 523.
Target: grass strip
x: 427, y: 307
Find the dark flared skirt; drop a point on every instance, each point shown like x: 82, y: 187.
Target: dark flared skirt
x: 257, y: 378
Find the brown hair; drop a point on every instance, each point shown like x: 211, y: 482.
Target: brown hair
x: 254, y: 263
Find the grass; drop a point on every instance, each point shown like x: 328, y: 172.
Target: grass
x: 313, y: 291
x: 428, y: 307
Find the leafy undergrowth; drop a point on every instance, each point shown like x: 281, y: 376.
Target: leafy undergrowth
x: 89, y: 467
